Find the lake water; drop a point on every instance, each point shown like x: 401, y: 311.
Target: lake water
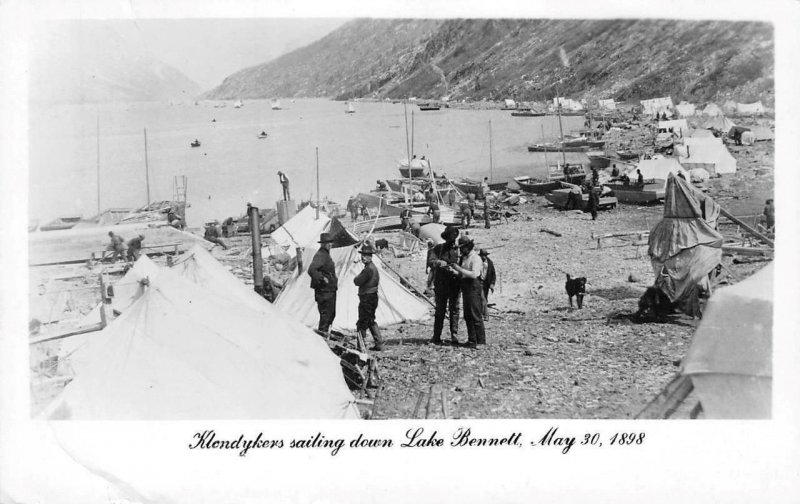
x: 233, y: 167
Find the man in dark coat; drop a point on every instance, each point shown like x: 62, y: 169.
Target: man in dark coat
x: 135, y: 248
x: 212, y: 234
x: 594, y: 201
x: 367, y: 282
x: 284, y: 180
x: 322, y: 271
x: 445, y: 285
x: 488, y: 278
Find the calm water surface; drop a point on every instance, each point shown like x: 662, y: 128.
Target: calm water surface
x: 233, y: 167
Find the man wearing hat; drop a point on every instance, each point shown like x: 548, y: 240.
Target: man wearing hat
x: 445, y: 285
x: 469, y: 273
x: 284, y: 180
x: 322, y: 271
x: 488, y: 279
x: 367, y: 282
x: 135, y: 248
x: 212, y: 234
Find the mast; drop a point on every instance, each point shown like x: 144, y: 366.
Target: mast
x: 408, y: 150
x: 146, y: 168
x: 98, y: 161
x: 561, y: 129
x: 412, y: 132
x: 546, y: 164
x: 317, y: 151
x: 491, y: 163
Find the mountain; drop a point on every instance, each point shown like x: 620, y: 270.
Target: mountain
x: 90, y: 61
x: 523, y: 59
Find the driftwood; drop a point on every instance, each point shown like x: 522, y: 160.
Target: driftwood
x: 554, y: 233
x: 749, y: 251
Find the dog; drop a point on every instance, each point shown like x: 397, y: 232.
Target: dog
x: 381, y: 245
x: 576, y: 287
x: 655, y: 301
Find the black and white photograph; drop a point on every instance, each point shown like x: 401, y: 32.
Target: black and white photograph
x: 295, y: 253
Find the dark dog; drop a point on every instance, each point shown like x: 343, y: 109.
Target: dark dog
x: 656, y: 302
x: 381, y: 244
x: 576, y: 287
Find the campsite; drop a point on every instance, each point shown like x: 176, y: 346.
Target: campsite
x: 543, y: 359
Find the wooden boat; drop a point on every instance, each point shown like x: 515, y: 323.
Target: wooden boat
x: 60, y: 223
x: 390, y: 204
x: 196, y: 143
x: 527, y: 113
x: 537, y: 186
x: 574, y: 173
x: 652, y: 191
x: 557, y: 147
x: 627, y: 154
x: 598, y: 159
x: 263, y: 135
x: 560, y: 198
x: 428, y: 106
x: 418, y: 168
x: 473, y: 186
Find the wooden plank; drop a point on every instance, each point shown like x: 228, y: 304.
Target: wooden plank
x: 747, y: 228
x: 750, y: 251
x: 53, y: 337
x: 667, y: 401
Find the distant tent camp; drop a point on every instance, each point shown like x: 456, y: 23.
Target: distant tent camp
x: 750, y: 108
x: 712, y: 110
x: 659, y: 168
x: 685, y: 245
x: 607, y: 104
x: 658, y: 106
x: 730, y: 360
x: 707, y: 153
x: 685, y: 109
x: 396, y: 303
x: 719, y: 123
x: 568, y: 103
x: 182, y: 352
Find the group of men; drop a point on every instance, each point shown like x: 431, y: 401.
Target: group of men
x: 460, y: 273
x: 467, y: 207
x: 322, y: 271
x: 118, y: 249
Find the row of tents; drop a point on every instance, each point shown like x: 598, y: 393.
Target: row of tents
x: 665, y: 106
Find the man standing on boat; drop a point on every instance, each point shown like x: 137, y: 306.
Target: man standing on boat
x: 322, y: 271
x: 445, y: 285
x: 284, y: 180
x: 367, y: 282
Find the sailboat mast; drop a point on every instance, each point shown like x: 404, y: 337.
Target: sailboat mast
x: 146, y: 168
x: 561, y: 129
x: 546, y: 164
x: 491, y: 162
x: 408, y: 150
x: 412, y: 132
x: 98, y: 161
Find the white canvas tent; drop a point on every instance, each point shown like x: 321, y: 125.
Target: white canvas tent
x: 729, y: 107
x: 678, y: 126
x: 750, y: 108
x: 568, y: 103
x: 299, y: 231
x: 707, y: 153
x: 607, y: 104
x: 761, y: 133
x: 719, y: 123
x: 396, y: 303
x: 510, y: 104
x: 712, y: 110
x: 181, y: 352
x: 658, y: 168
x: 730, y: 360
x: 685, y: 109
x: 658, y: 106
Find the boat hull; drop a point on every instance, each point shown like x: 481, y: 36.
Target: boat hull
x: 540, y: 188
x: 560, y: 197
x: 638, y: 195
x: 415, y: 172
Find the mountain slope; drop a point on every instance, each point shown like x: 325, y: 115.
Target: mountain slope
x: 501, y: 58
x: 88, y: 61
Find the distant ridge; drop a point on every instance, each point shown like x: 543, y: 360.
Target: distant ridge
x: 521, y: 59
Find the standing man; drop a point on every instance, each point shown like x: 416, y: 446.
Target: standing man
x: 285, y: 185
x: 116, y: 245
x: 352, y: 207
x: 445, y: 285
x: 595, y: 177
x: 405, y: 218
x: 488, y: 279
x: 212, y: 234
x: 769, y: 215
x: 466, y: 215
x: 367, y: 282
x: 471, y: 203
x: 135, y: 248
x: 469, y: 272
x: 433, y: 210
x: 594, y: 201
x: 485, y: 192
x: 639, y: 178
x: 322, y: 271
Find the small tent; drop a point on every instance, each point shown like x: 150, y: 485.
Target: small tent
x: 301, y: 230
x: 509, y: 104
x: 607, y: 104
x: 685, y: 109
x: 181, y: 352
x: 750, y: 108
x: 730, y: 360
x: 658, y: 168
x: 396, y: 303
x: 707, y: 153
x: 762, y: 133
x: 719, y: 123
x: 685, y: 246
x: 712, y: 110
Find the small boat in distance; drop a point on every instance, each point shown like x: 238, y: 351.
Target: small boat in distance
x: 238, y: 104
x: 418, y: 168
x: 429, y: 106
x: 526, y: 113
x: 276, y: 105
x: 263, y: 134
x: 348, y: 109
x: 196, y: 143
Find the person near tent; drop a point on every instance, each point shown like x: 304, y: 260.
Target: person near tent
x: 352, y: 207
x: 488, y: 279
x: 433, y: 211
x: 135, y: 248
x: 614, y: 171
x: 769, y: 215
x: 485, y: 194
x: 212, y: 234
x: 322, y: 271
x: 284, y: 180
x: 367, y: 282
x: 116, y: 245
x: 405, y: 218
x: 445, y: 285
x: 469, y: 273
x: 466, y: 214
x: 639, y: 178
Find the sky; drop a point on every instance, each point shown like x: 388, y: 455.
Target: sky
x: 208, y: 50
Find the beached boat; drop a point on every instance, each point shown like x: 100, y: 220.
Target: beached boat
x: 276, y: 105
x: 60, y: 223
x: 652, y: 191
x: 573, y: 173
x: 557, y: 147
x: 467, y: 186
x: 391, y: 203
x: 419, y: 168
x: 196, y: 143
x: 627, y: 154
x: 598, y: 159
x: 560, y: 198
x: 537, y: 186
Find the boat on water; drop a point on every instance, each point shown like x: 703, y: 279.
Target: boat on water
x: 276, y: 105
x: 196, y: 143
x: 263, y: 135
x: 565, y: 198
x: 429, y: 106
x: 652, y: 191
x: 238, y: 104
x: 348, y: 109
x: 557, y: 147
x: 527, y: 113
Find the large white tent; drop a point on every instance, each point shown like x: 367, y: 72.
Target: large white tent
x: 707, y: 153
x: 730, y: 360
x: 658, y: 106
x: 396, y: 303
x: 658, y: 168
x: 181, y: 351
x: 750, y: 108
x: 301, y: 230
